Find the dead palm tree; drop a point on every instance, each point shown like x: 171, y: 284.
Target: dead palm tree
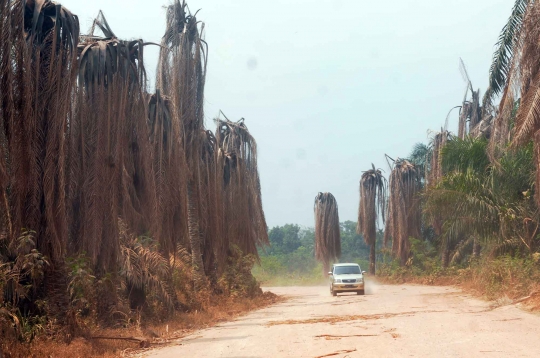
x: 435, y: 175
x: 327, y: 230
x: 181, y: 77
x: 403, y: 215
x: 244, y: 221
x: 373, y: 200
x: 211, y: 207
x: 110, y: 164
x: 38, y: 54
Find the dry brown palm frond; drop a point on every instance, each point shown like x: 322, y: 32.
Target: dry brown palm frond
x: 500, y: 135
x: 527, y: 121
x: 181, y: 77
x: 373, y: 199
x: 327, y: 230
x: 37, y: 77
x: 110, y: 161
x: 403, y: 217
x: 244, y: 221
x: 528, y: 117
x: 211, y: 214
x: 436, y: 171
x: 169, y: 169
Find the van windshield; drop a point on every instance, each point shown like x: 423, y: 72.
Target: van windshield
x: 346, y: 270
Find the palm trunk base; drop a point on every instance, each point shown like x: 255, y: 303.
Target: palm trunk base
x: 372, y: 260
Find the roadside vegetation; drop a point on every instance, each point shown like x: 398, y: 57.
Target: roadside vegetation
x: 466, y: 205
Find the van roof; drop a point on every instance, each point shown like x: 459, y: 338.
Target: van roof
x: 347, y: 264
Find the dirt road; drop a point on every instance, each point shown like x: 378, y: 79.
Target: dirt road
x: 389, y: 321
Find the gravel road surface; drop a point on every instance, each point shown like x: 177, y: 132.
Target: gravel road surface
x: 389, y: 321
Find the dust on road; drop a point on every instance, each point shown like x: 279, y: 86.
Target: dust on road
x: 389, y: 321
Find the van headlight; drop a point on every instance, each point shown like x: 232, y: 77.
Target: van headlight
x: 337, y: 280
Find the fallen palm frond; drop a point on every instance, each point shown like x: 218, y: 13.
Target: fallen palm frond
x: 327, y: 231
x: 345, y: 318
x: 332, y: 336
x: 343, y: 351
x: 373, y: 198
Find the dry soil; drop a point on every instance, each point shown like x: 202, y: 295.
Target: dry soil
x: 389, y: 321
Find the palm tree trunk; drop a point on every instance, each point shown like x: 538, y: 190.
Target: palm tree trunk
x: 445, y: 257
x: 372, y: 259
x: 476, y: 248
x: 195, y: 236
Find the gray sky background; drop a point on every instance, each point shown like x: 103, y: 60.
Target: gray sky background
x: 327, y: 87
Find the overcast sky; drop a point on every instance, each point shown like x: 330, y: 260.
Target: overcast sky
x: 327, y: 87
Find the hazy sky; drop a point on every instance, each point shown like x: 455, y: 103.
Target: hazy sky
x: 327, y: 87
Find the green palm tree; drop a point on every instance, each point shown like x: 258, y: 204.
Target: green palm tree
x: 486, y: 202
x: 373, y: 199
x: 507, y: 47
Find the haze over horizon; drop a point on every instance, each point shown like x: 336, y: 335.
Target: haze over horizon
x: 326, y: 90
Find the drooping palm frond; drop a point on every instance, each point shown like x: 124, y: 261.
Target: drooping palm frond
x: 373, y: 198
x: 244, y: 220
x: 506, y: 49
x: 181, y: 77
x: 170, y: 173
x: 403, y: 213
x: 501, y: 131
x: 111, y: 166
x: 212, y: 210
x: 438, y: 142
x: 327, y: 233
x: 434, y: 172
x: 37, y: 64
x: 528, y: 117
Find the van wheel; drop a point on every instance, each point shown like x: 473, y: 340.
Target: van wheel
x: 334, y: 293
x: 361, y: 292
